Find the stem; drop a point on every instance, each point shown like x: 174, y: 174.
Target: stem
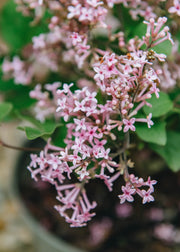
x: 126, y: 140
x: 19, y: 148
x: 126, y: 145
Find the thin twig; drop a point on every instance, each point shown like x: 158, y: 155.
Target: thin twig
x: 19, y: 148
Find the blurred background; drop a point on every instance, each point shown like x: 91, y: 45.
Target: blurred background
x: 14, y: 234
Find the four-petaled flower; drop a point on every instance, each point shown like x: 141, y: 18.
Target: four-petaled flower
x: 146, y: 195
x: 129, y: 124
x: 127, y: 194
x: 175, y: 8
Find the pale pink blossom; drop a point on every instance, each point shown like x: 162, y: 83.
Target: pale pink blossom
x: 175, y: 9
x: 146, y: 195
x: 149, y: 121
x: 129, y: 124
x: 76, y: 38
x: 80, y: 124
x: 94, y: 3
x: 127, y: 194
x: 74, y: 11
x: 39, y: 41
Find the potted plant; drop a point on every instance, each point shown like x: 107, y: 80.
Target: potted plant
x: 98, y: 81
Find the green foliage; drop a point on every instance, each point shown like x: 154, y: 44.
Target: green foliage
x: 16, y: 94
x: 20, y: 98
x: 156, y: 134
x: 47, y: 128
x: 59, y: 135
x: 5, y: 109
x: 178, y: 39
x: 39, y: 129
x: 6, y: 85
x: 160, y: 106
x: 171, y: 151
x: 128, y: 25
x: 140, y: 30
x: 164, y: 47
x: 15, y: 28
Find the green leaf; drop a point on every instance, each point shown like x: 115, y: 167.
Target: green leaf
x: 164, y: 47
x: 59, y: 135
x: 171, y: 151
x: 156, y: 134
x: 32, y: 133
x: 46, y: 128
x: 49, y: 126
x: 140, y: 30
x: 5, y: 109
x: 160, y: 106
x: 29, y: 118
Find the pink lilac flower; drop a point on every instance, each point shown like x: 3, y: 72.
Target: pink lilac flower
x: 33, y: 160
x: 76, y: 38
x: 86, y: 14
x: 149, y: 121
x: 129, y: 124
x: 133, y: 186
x: 39, y: 41
x: 94, y: 3
x: 175, y: 9
x: 74, y: 11
x: 79, y: 106
x: 127, y: 194
x: 80, y: 124
x: 99, y: 73
x: 54, y: 161
x: 80, y: 206
x: 147, y: 197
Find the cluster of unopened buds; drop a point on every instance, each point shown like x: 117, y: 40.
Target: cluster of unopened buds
x: 125, y: 83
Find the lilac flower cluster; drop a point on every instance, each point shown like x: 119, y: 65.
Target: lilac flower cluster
x: 132, y: 187
x: 125, y: 82
x: 85, y: 154
x: 128, y: 81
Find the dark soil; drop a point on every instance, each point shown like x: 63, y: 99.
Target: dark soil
x: 132, y: 227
